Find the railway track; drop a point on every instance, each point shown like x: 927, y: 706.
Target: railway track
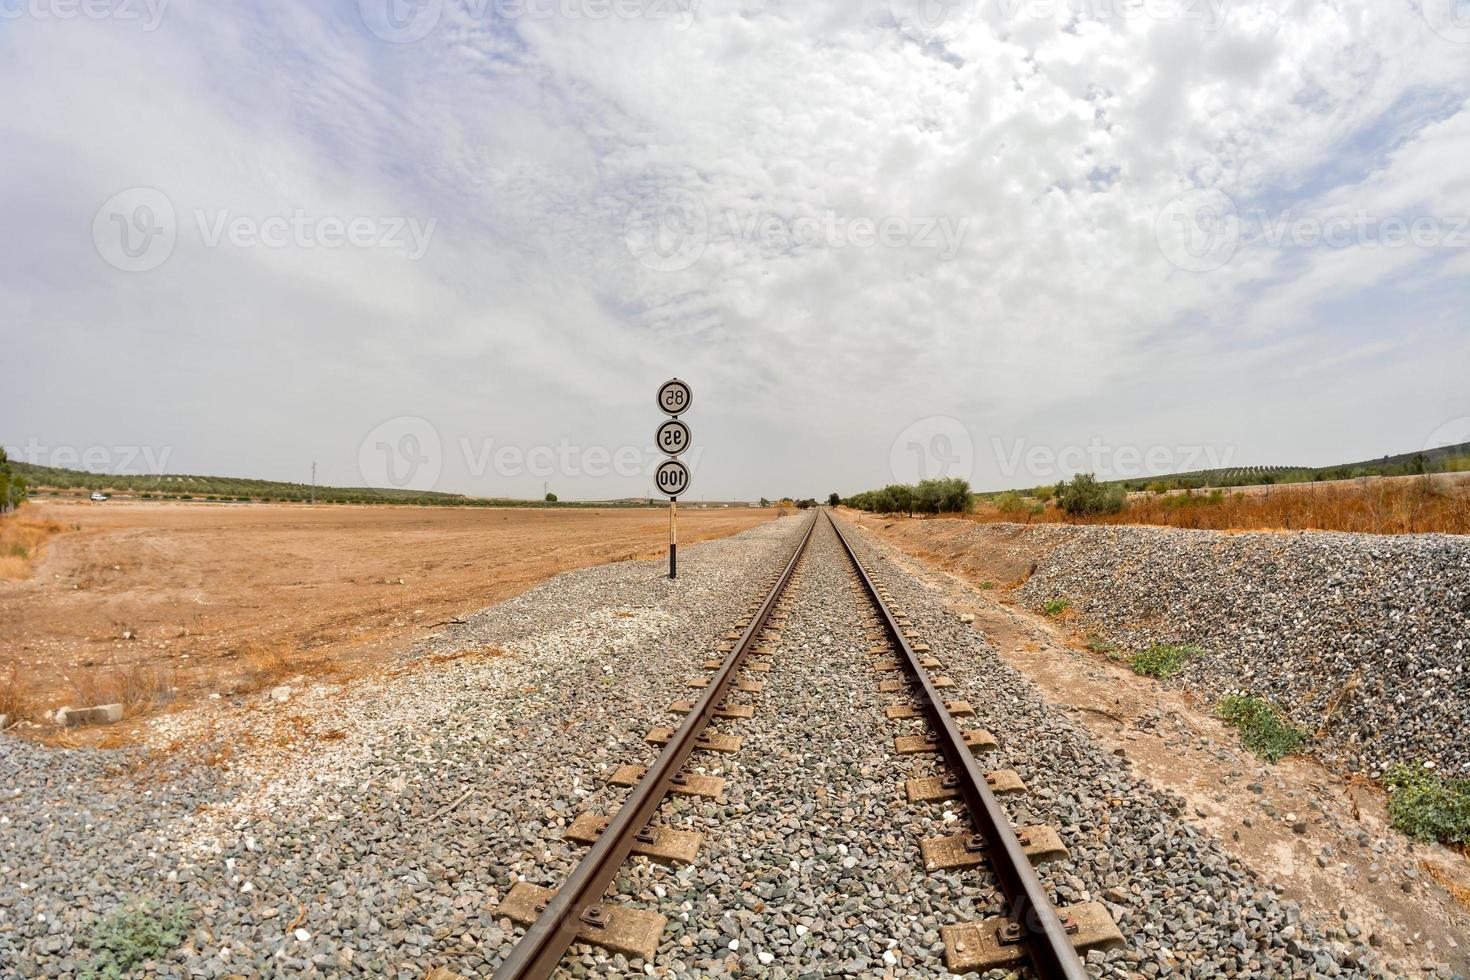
x: 1031, y: 930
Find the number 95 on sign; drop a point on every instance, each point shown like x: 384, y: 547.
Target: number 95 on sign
x: 672, y: 477
x: 672, y: 438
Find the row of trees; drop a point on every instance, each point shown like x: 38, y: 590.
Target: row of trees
x: 949, y: 496
x: 12, y: 487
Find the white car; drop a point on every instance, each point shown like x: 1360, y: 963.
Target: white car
x: 98, y: 496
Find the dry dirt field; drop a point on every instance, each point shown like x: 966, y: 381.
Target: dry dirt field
x: 216, y: 596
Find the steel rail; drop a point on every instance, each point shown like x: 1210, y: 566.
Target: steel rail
x: 1050, y: 949
x: 546, y: 941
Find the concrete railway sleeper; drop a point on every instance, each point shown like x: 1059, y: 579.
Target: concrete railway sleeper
x: 1033, y: 931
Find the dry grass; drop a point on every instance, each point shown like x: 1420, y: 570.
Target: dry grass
x: 264, y: 665
x: 21, y: 539
x: 1371, y: 507
x: 137, y: 687
x: 16, y: 700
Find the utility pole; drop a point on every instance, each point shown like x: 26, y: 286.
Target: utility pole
x: 313, y: 481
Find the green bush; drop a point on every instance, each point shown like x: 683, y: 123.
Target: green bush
x: 1262, y: 728
x: 1428, y: 807
x: 1009, y: 502
x: 1097, y: 644
x: 131, y: 934
x: 1161, y: 660
x: 1055, y: 607
x: 1084, y: 496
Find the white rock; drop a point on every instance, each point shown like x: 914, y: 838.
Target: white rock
x: 281, y: 693
x: 302, y: 935
x: 967, y: 617
x: 734, y: 944
x: 765, y: 957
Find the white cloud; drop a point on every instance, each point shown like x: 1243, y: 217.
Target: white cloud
x: 1051, y: 140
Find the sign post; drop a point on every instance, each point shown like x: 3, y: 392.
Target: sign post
x: 672, y: 476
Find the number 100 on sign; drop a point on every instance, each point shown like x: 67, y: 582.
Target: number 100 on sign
x: 672, y: 477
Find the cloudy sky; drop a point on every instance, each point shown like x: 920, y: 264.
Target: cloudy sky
x: 459, y: 244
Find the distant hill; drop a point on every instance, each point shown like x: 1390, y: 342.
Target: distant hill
x: 188, y: 487
x: 1441, y: 460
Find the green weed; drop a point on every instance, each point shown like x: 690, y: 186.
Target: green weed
x: 1428, y: 807
x: 1162, y: 660
x: 1262, y: 729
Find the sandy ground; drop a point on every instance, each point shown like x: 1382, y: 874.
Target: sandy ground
x: 203, y: 588
x: 1325, y: 838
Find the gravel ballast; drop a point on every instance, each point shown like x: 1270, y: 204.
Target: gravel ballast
x: 1363, y: 640
x: 372, y: 829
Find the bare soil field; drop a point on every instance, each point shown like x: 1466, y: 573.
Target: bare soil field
x: 135, y: 598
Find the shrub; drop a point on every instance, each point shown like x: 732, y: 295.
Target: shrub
x: 1097, y: 644
x: 1084, y: 496
x: 1009, y: 502
x: 1428, y: 807
x: 1161, y: 660
x: 132, y: 934
x: 987, y: 585
x: 551, y: 498
x: 1262, y: 728
x: 1055, y: 607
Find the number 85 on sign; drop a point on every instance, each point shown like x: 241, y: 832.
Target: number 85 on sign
x: 672, y: 438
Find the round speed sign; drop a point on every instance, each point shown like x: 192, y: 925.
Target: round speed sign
x: 675, y: 397
x: 672, y: 438
x: 672, y: 477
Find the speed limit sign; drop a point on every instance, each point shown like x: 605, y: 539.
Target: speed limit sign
x: 672, y: 477
x: 674, y: 397
x: 672, y: 438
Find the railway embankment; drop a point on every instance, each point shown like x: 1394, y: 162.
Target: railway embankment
x: 1362, y: 641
